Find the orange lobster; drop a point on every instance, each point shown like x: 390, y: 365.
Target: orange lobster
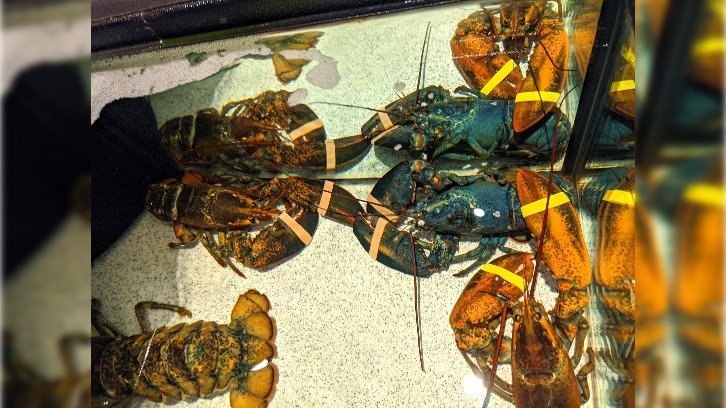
x: 495, y: 71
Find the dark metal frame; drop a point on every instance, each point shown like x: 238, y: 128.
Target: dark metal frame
x: 589, y: 120
x: 155, y: 24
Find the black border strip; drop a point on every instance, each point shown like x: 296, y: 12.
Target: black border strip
x: 204, y: 20
x: 589, y: 122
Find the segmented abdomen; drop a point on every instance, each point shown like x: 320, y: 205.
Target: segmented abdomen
x: 186, y: 360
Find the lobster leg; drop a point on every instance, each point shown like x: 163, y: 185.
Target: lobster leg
x: 483, y: 251
x: 185, y: 236
x: 142, y: 307
x: 499, y: 387
x: 582, y: 376
x: 217, y: 252
x: 99, y: 322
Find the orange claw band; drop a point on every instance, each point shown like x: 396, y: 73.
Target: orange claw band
x: 538, y: 206
x: 383, y: 210
x: 498, y: 77
x: 376, y: 238
x: 534, y: 96
x: 330, y: 154
x: 508, y: 276
x: 620, y: 197
x: 301, y: 233
x: 306, y: 128
x: 325, y: 198
x: 385, y: 120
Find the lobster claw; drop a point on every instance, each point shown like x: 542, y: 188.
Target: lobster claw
x: 477, y: 311
x: 541, y: 90
x: 276, y: 243
x: 394, y: 248
x: 327, y: 198
x: 330, y: 154
x: 538, y: 139
x: 478, y: 58
x: 564, y: 250
x: 393, y: 192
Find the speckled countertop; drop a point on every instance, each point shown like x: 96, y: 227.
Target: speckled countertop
x: 346, y: 332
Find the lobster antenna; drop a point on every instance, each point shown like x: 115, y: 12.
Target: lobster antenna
x: 495, y: 359
x: 549, y: 57
x: 538, y: 255
x: 358, y: 107
x: 416, y: 305
x: 540, y: 247
x: 421, y: 61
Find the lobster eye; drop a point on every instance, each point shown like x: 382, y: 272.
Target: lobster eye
x: 517, y: 318
x: 537, y: 316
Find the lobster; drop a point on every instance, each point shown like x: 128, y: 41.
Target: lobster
x: 415, y: 200
x: 697, y: 297
x: 436, y: 124
x: 542, y: 371
x: 198, y: 209
x: 256, y: 134
x: 187, y: 360
x: 612, y: 198
x: 495, y: 71
x: 24, y: 387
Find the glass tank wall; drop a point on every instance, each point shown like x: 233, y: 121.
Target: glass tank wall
x: 383, y: 182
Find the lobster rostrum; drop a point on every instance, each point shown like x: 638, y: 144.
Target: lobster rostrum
x: 434, y: 123
x: 188, y: 360
x: 255, y: 134
x: 439, y: 209
x: 524, y: 26
x: 200, y: 210
x: 542, y: 371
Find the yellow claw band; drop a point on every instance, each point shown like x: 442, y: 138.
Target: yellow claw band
x: 376, y: 238
x: 498, y: 77
x: 538, y: 206
x: 711, y: 45
x: 508, y: 276
x: 325, y: 197
x: 301, y: 233
x: 534, y: 96
x: 620, y: 197
x: 707, y: 194
x: 330, y: 154
x: 306, y: 128
x: 385, y: 120
x: 620, y: 86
